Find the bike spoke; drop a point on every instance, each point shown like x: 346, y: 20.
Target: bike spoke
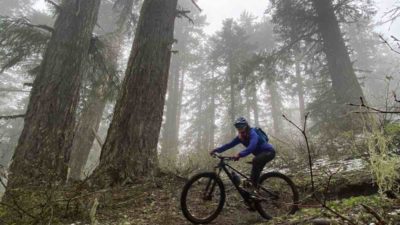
x: 277, y: 197
x: 203, y: 198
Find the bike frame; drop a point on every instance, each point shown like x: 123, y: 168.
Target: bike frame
x: 223, y: 166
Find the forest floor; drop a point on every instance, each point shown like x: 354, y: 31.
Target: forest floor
x: 156, y: 202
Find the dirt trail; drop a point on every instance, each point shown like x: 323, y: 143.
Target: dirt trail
x: 157, y: 203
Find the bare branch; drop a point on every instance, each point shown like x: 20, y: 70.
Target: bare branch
x: 197, y: 6
x: 328, y: 183
x: 44, y: 27
x: 54, y: 4
x: 183, y: 13
x: 387, y: 43
x: 395, y: 97
x: 303, y: 131
x: 12, y: 117
x: 392, y: 14
x: 373, y: 110
x: 322, y: 203
x: 12, y: 90
x: 284, y: 116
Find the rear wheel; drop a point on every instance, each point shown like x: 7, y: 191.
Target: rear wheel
x: 203, y: 198
x: 278, y: 196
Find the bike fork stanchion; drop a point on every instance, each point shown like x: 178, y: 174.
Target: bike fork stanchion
x: 213, y: 183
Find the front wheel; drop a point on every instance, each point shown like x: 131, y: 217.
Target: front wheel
x: 203, y: 198
x: 278, y: 196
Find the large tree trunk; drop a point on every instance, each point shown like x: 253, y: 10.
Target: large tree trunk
x: 42, y: 151
x: 300, y: 87
x: 180, y: 98
x: 169, y: 143
x: 276, y: 106
x: 130, y: 148
x: 200, y: 112
x: 232, y: 106
x: 247, y: 103
x: 92, y: 112
x: 211, y: 129
x: 87, y: 128
x: 344, y: 81
x: 101, y: 87
x: 254, y: 104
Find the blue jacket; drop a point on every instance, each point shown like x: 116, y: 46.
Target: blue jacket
x: 254, y: 145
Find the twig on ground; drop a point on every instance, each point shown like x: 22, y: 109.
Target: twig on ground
x: 338, y: 214
x: 381, y: 221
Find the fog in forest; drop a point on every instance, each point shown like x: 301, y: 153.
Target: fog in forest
x: 116, y: 91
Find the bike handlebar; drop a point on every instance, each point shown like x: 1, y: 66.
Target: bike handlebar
x: 219, y: 156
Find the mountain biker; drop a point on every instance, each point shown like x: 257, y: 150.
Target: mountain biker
x: 263, y: 151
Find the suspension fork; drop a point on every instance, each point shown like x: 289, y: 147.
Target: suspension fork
x: 210, y: 187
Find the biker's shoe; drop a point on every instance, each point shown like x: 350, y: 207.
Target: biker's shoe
x: 256, y: 195
x: 254, y: 192
x: 251, y: 206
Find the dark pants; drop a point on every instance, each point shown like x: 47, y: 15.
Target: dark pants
x: 259, y: 162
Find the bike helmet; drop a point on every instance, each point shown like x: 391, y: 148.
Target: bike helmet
x: 241, y: 122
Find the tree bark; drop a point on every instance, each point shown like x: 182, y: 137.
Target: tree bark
x: 300, y: 87
x: 89, y: 123
x: 344, y: 81
x: 200, y: 112
x: 211, y: 130
x: 232, y: 106
x: 276, y: 107
x: 92, y: 112
x: 254, y: 104
x: 248, y: 102
x: 130, y: 149
x: 180, y: 97
x: 42, y: 152
x: 169, y: 143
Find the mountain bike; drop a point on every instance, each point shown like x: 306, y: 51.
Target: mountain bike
x: 203, y: 196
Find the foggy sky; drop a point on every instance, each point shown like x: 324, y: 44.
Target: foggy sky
x: 218, y: 10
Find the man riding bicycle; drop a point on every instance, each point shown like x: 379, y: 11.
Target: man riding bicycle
x: 262, y: 150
